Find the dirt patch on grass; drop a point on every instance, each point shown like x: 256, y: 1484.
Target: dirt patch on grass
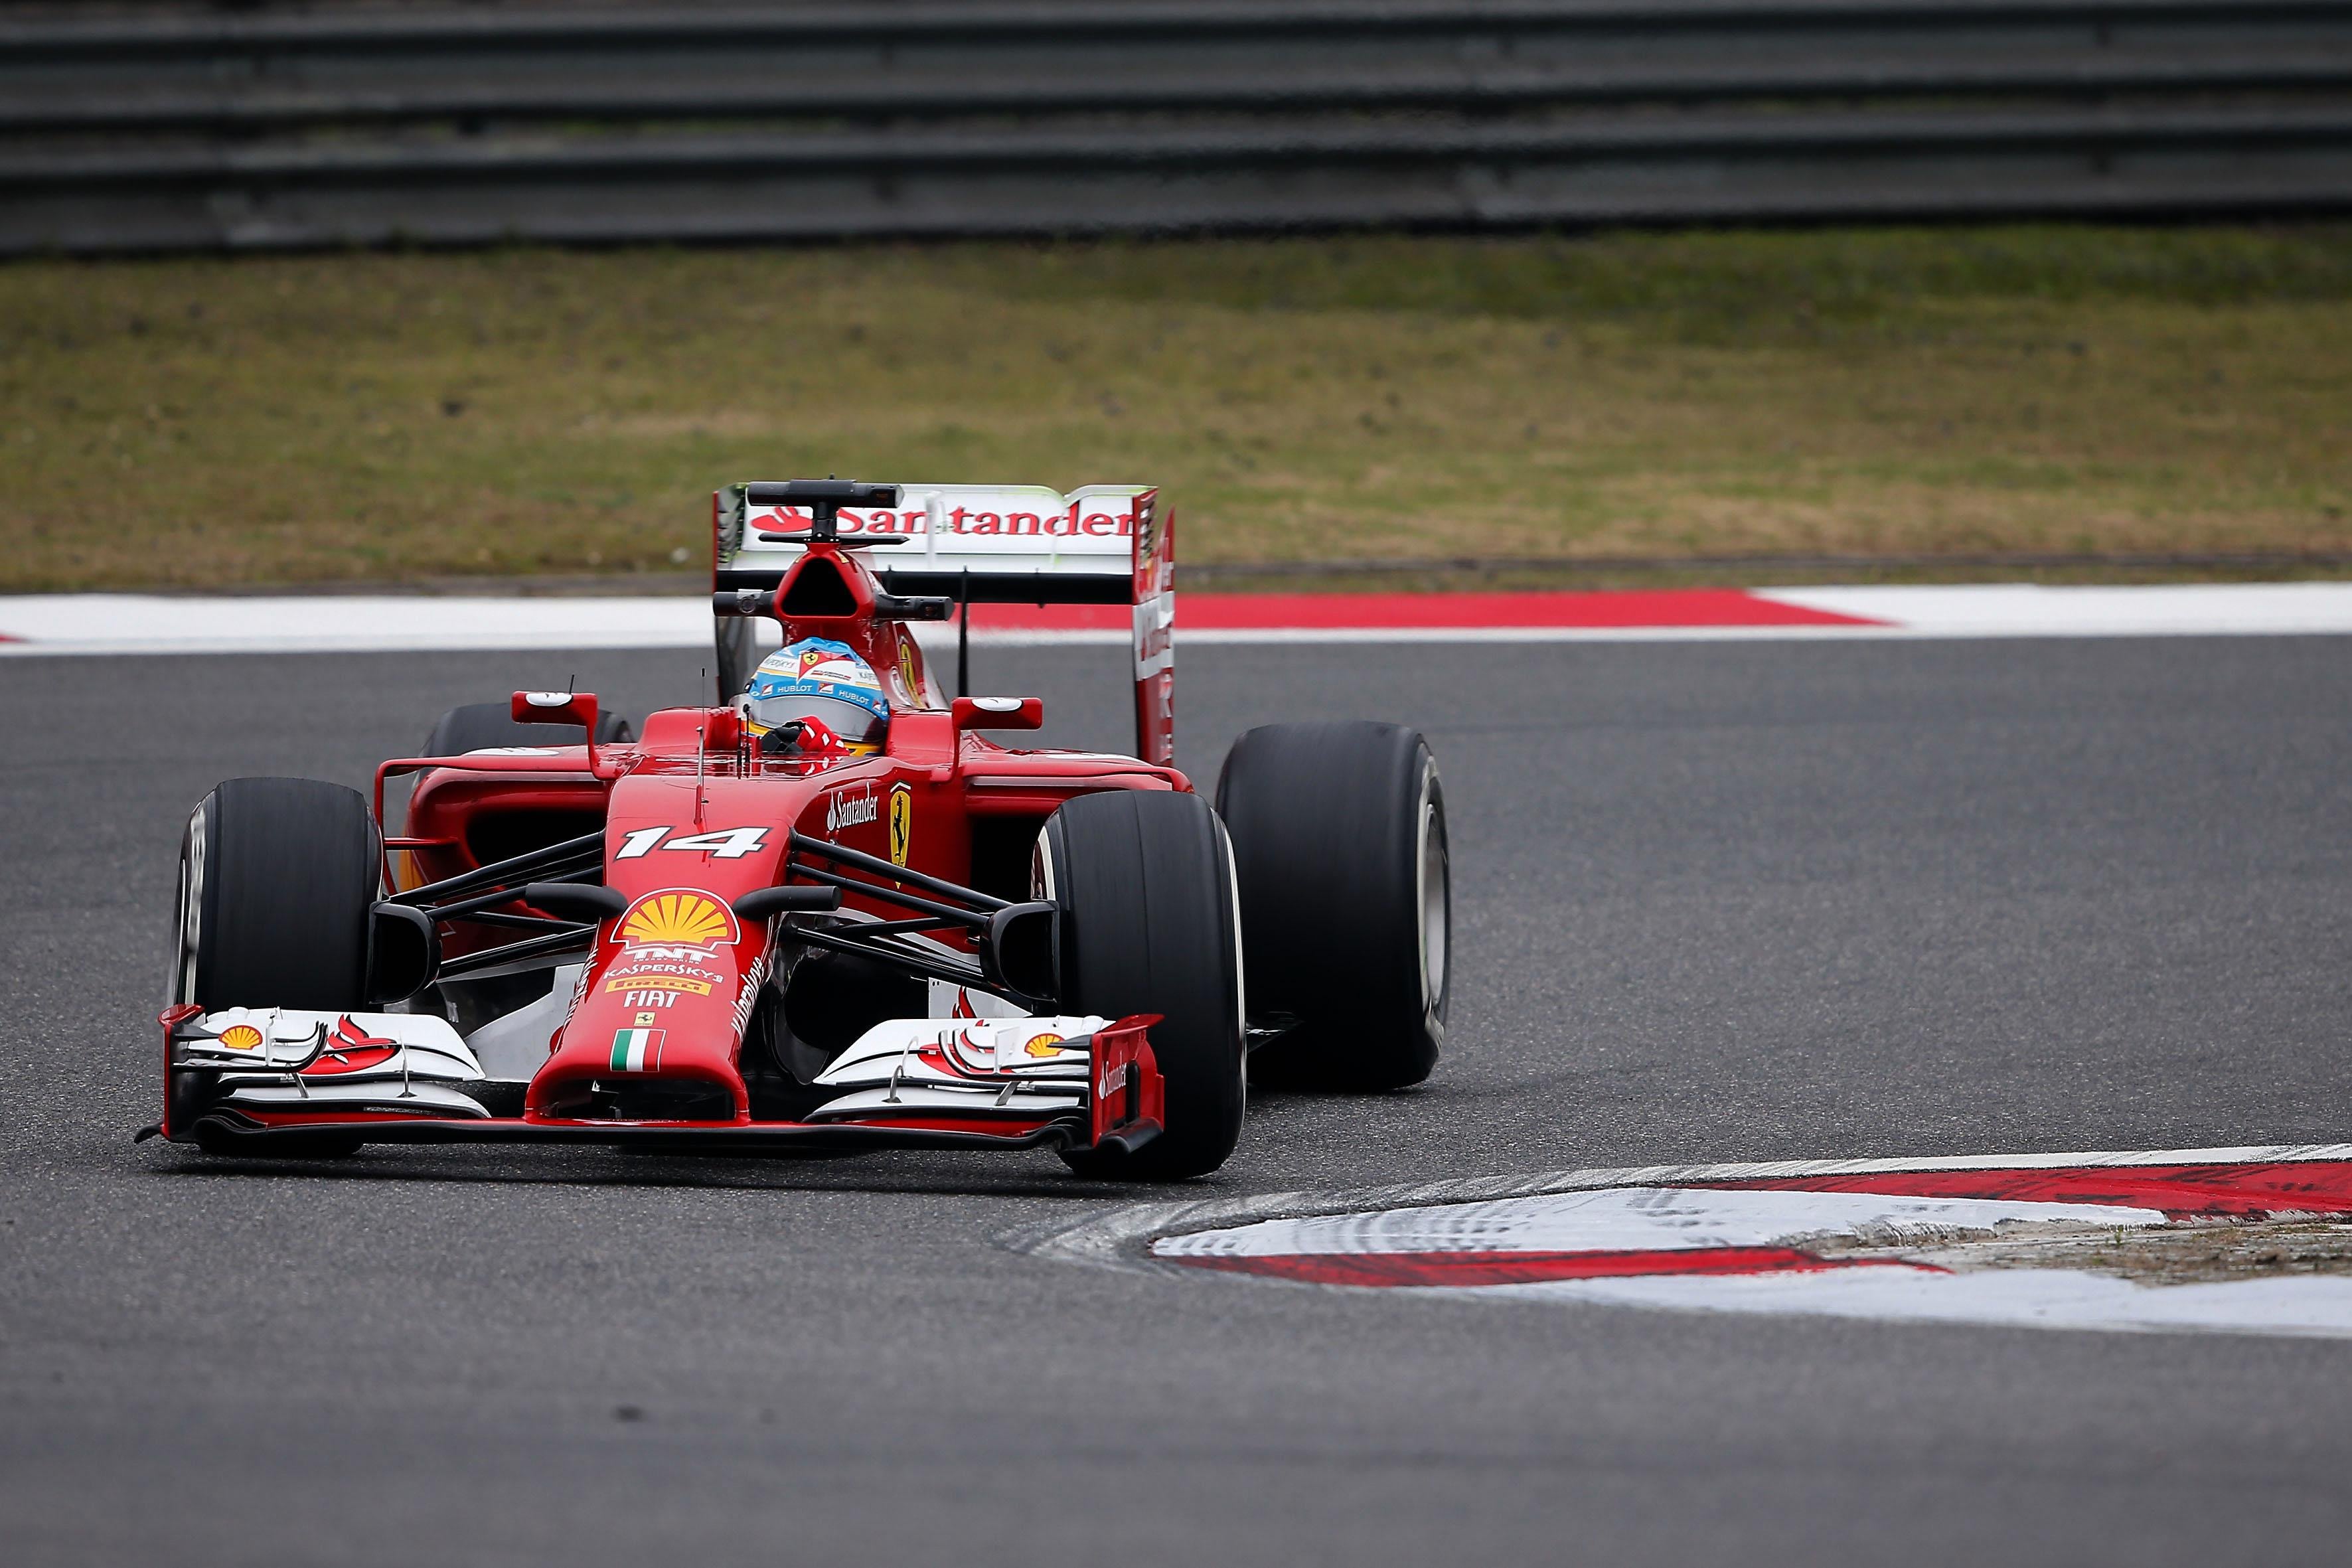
x: 208, y: 422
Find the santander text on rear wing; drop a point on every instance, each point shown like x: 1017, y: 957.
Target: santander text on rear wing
x: 1004, y: 544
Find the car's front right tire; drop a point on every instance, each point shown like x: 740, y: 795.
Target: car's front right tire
x: 276, y: 878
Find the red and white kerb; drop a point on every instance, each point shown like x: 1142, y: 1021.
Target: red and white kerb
x: 1873, y: 1239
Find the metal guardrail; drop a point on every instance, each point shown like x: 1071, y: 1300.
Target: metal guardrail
x: 182, y: 129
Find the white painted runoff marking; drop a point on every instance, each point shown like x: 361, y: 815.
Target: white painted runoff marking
x: 2034, y: 610
x: 2304, y: 1305
x: 156, y: 623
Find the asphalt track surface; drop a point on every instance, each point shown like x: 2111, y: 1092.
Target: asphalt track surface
x: 1714, y: 902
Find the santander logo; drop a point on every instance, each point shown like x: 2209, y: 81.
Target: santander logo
x: 845, y: 810
x: 1069, y: 523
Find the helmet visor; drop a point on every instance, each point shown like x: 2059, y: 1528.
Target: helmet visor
x: 856, y: 725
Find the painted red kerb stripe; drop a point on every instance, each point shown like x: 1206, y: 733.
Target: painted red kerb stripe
x: 1447, y: 612
x: 1467, y: 1268
x: 2315, y: 1187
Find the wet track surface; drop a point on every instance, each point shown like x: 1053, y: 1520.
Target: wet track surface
x: 1713, y: 903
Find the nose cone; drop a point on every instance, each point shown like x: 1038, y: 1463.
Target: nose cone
x: 659, y: 1025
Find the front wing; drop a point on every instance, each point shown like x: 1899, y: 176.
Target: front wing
x: 264, y: 1075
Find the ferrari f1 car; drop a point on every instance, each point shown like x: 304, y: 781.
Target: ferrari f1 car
x: 787, y: 920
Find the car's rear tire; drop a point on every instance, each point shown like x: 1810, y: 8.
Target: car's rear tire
x: 479, y: 725
x: 1339, y: 834
x: 1144, y: 880
x: 277, y: 877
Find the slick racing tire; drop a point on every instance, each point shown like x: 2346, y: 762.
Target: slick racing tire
x: 1144, y: 880
x: 277, y: 877
x: 1339, y: 834
x: 479, y: 725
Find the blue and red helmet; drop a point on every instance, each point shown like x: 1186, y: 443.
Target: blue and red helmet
x: 823, y: 685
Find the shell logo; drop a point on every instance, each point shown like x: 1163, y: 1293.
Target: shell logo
x: 240, y: 1037
x: 1043, y: 1046
x: 676, y: 919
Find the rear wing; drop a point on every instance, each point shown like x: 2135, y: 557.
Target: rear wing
x: 996, y: 545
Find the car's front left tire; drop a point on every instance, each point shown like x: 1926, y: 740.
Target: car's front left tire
x: 1149, y: 924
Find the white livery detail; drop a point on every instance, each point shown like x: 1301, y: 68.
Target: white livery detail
x: 972, y: 1066
x: 288, y: 1058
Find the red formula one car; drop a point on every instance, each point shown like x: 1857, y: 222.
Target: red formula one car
x: 825, y: 912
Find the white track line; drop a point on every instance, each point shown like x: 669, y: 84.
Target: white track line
x: 132, y: 623
x: 160, y: 624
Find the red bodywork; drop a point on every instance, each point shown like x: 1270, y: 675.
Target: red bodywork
x: 694, y: 816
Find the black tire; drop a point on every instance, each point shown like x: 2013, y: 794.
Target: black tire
x: 1144, y: 880
x: 1339, y: 833
x: 276, y: 877
x: 477, y: 725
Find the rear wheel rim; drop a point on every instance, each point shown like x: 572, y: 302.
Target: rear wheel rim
x: 1433, y: 877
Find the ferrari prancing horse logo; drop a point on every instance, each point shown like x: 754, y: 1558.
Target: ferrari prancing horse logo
x: 902, y: 822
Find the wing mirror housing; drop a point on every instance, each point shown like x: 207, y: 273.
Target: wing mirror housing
x: 558, y: 708
x: 1000, y: 712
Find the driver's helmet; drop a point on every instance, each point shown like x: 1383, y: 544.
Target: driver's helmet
x: 823, y: 685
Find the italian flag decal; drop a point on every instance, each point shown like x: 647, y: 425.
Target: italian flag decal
x: 636, y: 1050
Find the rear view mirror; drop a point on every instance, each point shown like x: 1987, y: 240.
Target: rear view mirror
x: 558, y: 708
x: 1000, y: 712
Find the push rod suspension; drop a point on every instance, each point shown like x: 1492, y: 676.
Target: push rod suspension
x: 513, y: 952
x: 528, y: 922
x: 940, y: 914
x: 874, y: 865
x: 516, y: 868
x: 923, y: 964
x: 468, y: 909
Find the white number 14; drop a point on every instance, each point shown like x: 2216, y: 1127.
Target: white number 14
x: 730, y: 844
